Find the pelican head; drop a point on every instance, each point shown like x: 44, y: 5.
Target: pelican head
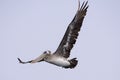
x: 47, y: 52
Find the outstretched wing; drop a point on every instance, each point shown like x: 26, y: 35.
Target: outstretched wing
x: 71, y: 33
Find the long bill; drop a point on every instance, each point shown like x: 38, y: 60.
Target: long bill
x: 20, y: 61
x: 38, y: 59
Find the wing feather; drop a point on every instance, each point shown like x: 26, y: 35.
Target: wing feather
x: 71, y: 33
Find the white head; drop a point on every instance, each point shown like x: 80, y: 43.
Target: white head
x: 47, y: 52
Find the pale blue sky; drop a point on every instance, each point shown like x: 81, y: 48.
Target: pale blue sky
x: 29, y: 27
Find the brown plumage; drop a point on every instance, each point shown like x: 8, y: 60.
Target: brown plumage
x: 71, y: 34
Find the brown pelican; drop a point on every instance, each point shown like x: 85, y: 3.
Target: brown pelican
x: 60, y: 56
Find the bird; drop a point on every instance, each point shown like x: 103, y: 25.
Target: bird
x: 61, y: 56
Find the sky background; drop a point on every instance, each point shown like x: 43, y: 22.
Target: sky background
x: 29, y: 27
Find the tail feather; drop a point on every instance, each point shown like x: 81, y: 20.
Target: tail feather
x: 73, y: 63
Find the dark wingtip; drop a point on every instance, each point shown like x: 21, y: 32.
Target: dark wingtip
x: 84, y: 5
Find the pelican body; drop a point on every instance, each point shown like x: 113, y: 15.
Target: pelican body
x: 60, y: 56
x: 53, y: 59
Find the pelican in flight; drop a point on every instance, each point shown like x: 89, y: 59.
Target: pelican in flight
x: 60, y: 56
